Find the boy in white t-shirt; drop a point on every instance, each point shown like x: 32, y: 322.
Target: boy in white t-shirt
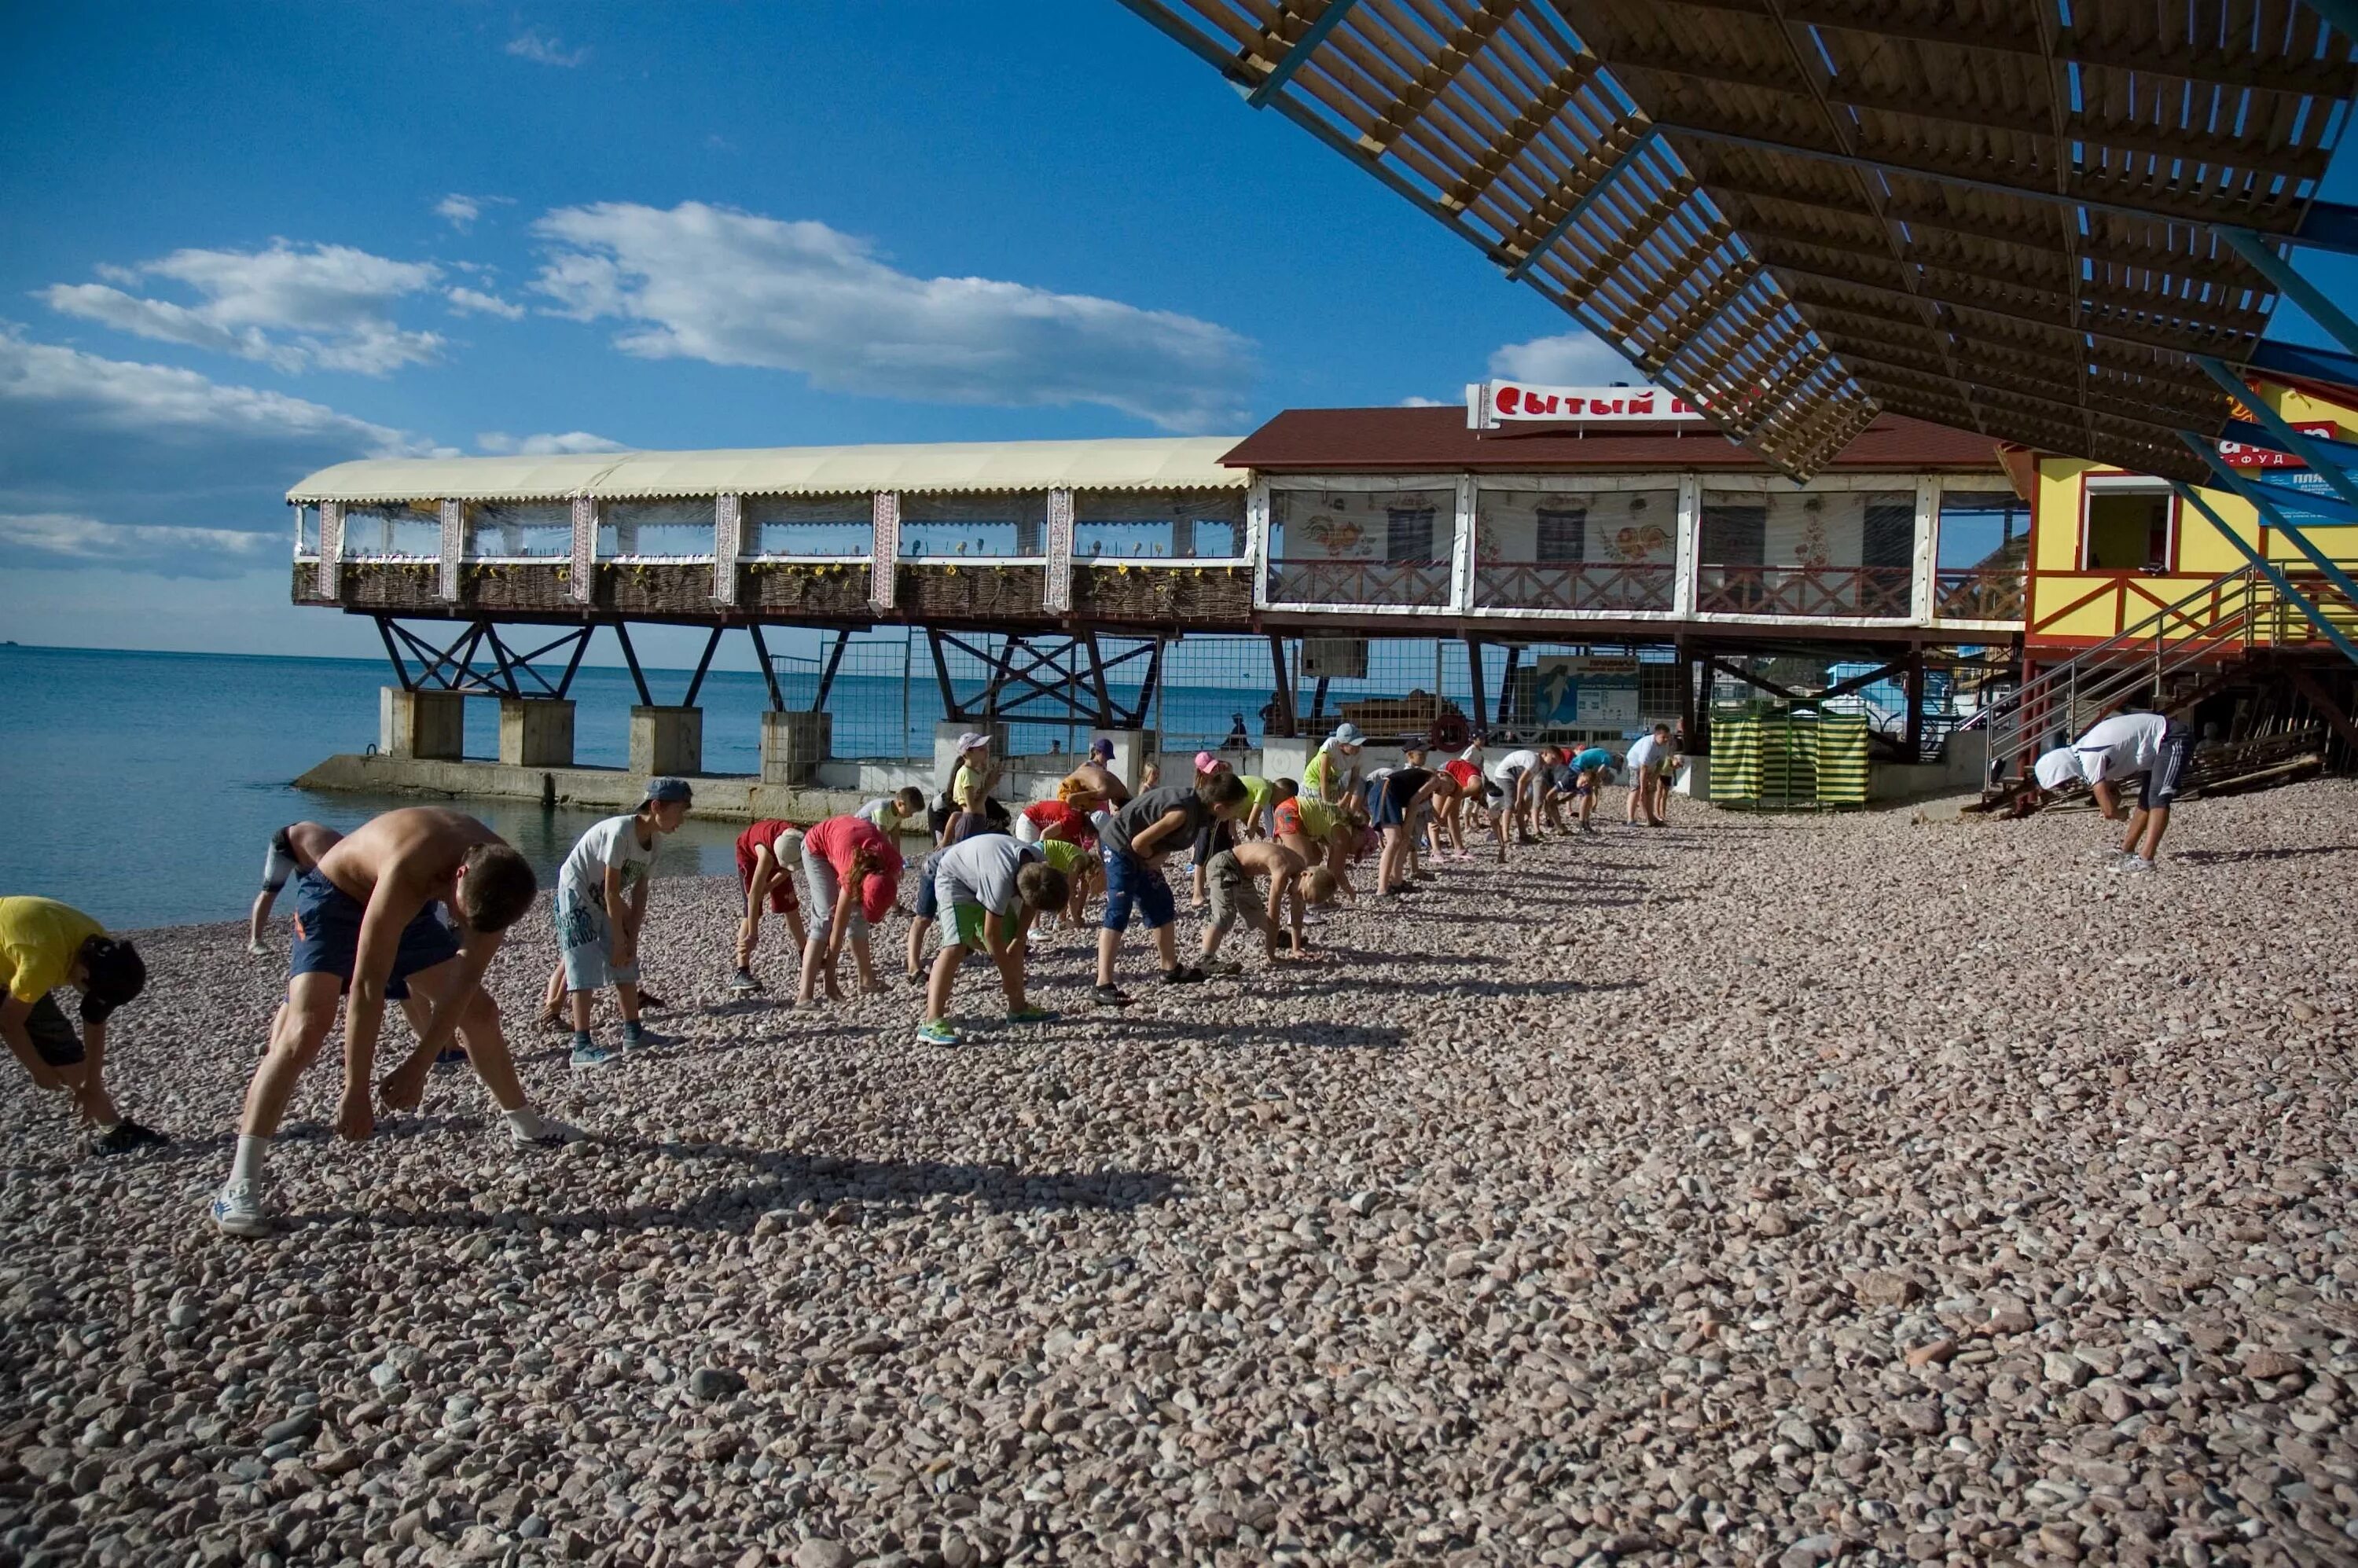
x: 1649, y: 762
x: 601, y: 904
x: 2147, y: 746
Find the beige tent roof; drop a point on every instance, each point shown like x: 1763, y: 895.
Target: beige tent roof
x: 1189, y: 462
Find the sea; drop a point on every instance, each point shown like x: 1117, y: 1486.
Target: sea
x: 143, y: 787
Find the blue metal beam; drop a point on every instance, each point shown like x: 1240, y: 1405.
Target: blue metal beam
x: 2269, y: 570
x: 2329, y: 226
x: 2313, y: 364
x: 2317, y: 453
x: 2261, y: 256
x: 1589, y: 199
x: 2341, y: 14
x: 2262, y: 501
x: 1299, y: 55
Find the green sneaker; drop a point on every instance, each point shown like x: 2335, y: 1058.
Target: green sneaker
x: 1031, y: 1015
x: 939, y: 1033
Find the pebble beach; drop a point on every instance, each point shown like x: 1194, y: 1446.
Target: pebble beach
x: 1756, y: 1190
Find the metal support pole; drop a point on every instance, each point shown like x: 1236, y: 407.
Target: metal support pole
x: 827, y: 673
x: 2268, y: 569
x: 1474, y: 679
x: 400, y: 669
x: 1287, y: 720
x: 630, y: 656
x: 2316, y: 454
x: 695, y: 681
x: 580, y: 646
x: 1507, y: 684
x: 2258, y: 254
x: 1915, y: 741
x: 1150, y: 694
x: 950, y: 710
x: 1104, y: 714
x: 769, y: 671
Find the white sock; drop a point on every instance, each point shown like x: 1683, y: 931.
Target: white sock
x: 247, y: 1165
x: 526, y: 1122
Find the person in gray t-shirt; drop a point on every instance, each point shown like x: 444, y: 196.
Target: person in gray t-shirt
x: 989, y: 887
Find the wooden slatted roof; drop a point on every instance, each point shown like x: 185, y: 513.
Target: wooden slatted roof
x: 2001, y: 215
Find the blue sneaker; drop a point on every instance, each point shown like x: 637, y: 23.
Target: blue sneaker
x: 938, y: 1033
x: 640, y: 1038
x: 592, y: 1054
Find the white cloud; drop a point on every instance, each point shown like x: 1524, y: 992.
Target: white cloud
x: 734, y: 288
x: 1569, y: 359
x: 65, y: 539
x: 461, y: 211
x: 288, y: 307
x: 1416, y: 401
x: 119, y: 444
x: 500, y: 444
x: 467, y: 301
x: 546, y: 49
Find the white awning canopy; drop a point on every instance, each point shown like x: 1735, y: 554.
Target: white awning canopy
x: 1189, y: 462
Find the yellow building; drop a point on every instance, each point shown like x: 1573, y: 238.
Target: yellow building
x: 2112, y: 551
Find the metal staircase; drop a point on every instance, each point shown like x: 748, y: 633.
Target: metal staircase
x: 2169, y: 661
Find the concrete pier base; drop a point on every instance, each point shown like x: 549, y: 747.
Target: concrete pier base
x: 666, y: 740
x: 794, y: 745
x: 535, y: 732
x: 429, y: 725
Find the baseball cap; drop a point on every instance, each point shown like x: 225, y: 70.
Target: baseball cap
x: 1101, y: 747
x: 670, y: 789
x: 1346, y: 734
x: 2057, y: 768
x: 1206, y: 762
x: 971, y: 739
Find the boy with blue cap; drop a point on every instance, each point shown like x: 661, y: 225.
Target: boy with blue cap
x: 602, y: 907
x: 1592, y: 770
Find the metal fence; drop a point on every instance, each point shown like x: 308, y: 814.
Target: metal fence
x: 885, y: 691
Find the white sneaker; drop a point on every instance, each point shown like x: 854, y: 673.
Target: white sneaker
x: 546, y: 1132
x: 238, y: 1211
x: 2136, y: 865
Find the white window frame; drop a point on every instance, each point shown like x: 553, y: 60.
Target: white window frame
x: 2092, y: 485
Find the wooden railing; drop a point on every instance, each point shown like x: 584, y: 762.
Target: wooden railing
x: 1322, y: 581
x: 1575, y: 585
x: 1875, y: 592
x: 1979, y: 593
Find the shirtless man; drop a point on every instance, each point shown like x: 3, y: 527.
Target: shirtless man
x: 293, y: 848
x: 364, y: 919
x: 1097, y: 777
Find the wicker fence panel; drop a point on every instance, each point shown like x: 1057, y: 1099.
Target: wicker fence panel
x: 306, y: 584
x: 830, y: 592
x: 971, y: 593
x: 1208, y: 597
x: 411, y: 587
x: 653, y: 588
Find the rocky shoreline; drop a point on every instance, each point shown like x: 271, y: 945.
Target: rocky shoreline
x: 1757, y: 1190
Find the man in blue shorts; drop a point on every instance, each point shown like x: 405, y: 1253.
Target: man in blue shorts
x: 294, y: 848
x: 1134, y: 842
x: 365, y: 920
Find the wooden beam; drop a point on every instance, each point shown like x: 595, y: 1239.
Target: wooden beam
x: 2330, y: 79
x: 1537, y: 116
x: 2322, y: 700
x: 2148, y: 204
x: 2235, y: 346
x: 1439, y: 72
x: 2293, y: 163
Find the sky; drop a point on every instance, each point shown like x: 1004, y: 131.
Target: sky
x: 247, y: 241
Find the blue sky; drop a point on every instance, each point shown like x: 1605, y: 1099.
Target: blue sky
x: 245, y: 241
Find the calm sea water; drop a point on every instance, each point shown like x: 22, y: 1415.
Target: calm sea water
x: 144, y: 788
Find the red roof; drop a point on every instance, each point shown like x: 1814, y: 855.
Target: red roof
x: 1362, y: 440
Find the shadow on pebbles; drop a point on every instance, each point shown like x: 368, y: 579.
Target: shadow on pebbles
x: 1781, y: 1191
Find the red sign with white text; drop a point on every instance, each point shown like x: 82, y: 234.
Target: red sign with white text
x: 2243, y: 455
x: 1490, y: 404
